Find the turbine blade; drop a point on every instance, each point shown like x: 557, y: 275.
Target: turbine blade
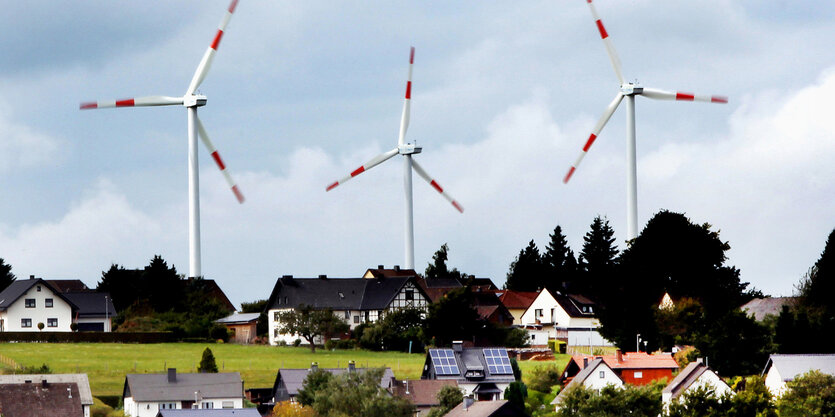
x: 597, y: 128
x: 420, y: 171
x: 133, y: 102
x: 377, y: 160
x: 404, y: 119
x: 680, y: 96
x: 610, y: 47
x: 206, y: 62
x: 216, y: 156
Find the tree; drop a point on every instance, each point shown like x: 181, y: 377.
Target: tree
x: 442, y: 329
x: 6, y: 275
x: 526, y: 271
x: 394, y: 331
x: 516, y: 393
x: 310, y: 324
x: 597, y: 258
x: 542, y: 378
x: 559, y: 262
x: 290, y: 409
x: 359, y: 394
x: 448, y: 397
x: 812, y: 394
x: 207, y: 363
x: 162, y: 285
x: 438, y: 268
x: 315, y: 381
x: 122, y: 284
x: 821, y: 281
x: 640, y: 401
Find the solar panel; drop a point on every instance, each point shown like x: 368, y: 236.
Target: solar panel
x: 497, y: 361
x: 444, y: 361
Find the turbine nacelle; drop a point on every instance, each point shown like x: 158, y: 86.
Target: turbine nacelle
x: 194, y: 100
x: 631, y: 89
x: 408, y: 149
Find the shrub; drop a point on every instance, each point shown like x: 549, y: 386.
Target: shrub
x: 297, y: 342
x: 542, y: 378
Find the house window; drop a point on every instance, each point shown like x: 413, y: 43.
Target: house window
x: 51, y: 322
x: 537, y: 313
x: 410, y: 295
x: 275, y: 333
x: 167, y: 406
x: 48, y: 303
x: 638, y: 374
x: 602, y: 374
x: 356, y: 319
x: 367, y: 316
x: 347, y: 315
x: 533, y: 337
x: 208, y: 404
x: 228, y: 404
x: 275, y: 316
x: 30, y: 303
x: 38, y: 288
x: 25, y: 322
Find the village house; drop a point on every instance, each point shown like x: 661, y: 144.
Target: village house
x: 144, y: 395
x: 635, y: 368
x: 499, y: 408
x: 354, y: 300
x: 242, y: 325
x: 517, y: 302
x: 694, y: 376
x: 422, y: 393
x: 288, y: 382
x: 41, y: 398
x: 26, y: 305
x: 483, y: 373
x: 80, y: 385
x: 566, y: 317
x: 595, y: 375
x: 781, y: 369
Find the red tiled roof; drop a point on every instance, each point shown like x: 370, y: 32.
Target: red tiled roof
x: 518, y: 299
x: 633, y: 360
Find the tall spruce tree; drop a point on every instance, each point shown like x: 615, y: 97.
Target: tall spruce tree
x: 438, y: 268
x: 527, y: 272
x: 6, y: 275
x: 597, y: 258
x: 559, y: 262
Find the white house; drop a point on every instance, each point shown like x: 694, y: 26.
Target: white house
x: 355, y: 300
x: 781, y: 369
x: 567, y: 317
x: 694, y: 376
x: 483, y: 373
x: 26, y: 303
x: 144, y: 395
x: 595, y: 375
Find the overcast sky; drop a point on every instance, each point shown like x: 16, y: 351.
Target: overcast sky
x: 504, y: 96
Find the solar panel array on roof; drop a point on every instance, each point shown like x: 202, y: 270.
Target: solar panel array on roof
x: 444, y: 362
x: 497, y: 361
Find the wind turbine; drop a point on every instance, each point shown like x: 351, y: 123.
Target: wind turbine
x: 407, y: 149
x: 629, y: 91
x: 191, y: 102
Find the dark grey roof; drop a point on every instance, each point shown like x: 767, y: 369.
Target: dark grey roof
x: 442, y: 283
x: 238, y: 318
x: 92, y: 304
x: 214, y: 412
x: 790, y: 366
x: 573, y: 304
x: 68, y: 285
x: 155, y: 387
x: 36, y: 400
x: 16, y: 289
x: 288, y: 382
x: 80, y: 380
x: 336, y: 293
x: 468, y: 359
x: 761, y: 307
x: 685, y: 378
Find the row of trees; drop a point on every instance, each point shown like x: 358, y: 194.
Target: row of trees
x: 687, y: 260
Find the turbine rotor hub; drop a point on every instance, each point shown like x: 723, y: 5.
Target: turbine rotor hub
x: 408, y: 149
x: 631, y: 89
x: 194, y: 100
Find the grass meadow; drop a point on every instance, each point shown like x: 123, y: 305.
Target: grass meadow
x: 107, y: 363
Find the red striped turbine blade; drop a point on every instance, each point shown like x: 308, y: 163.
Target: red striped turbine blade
x: 216, y: 157
x: 404, y: 118
x: 208, y: 56
x: 133, y: 102
x: 594, y: 134
x: 420, y: 171
x: 377, y: 160
x: 610, y: 47
x: 657, y: 94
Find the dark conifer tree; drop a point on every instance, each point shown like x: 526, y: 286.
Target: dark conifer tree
x: 597, y: 259
x: 438, y: 268
x: 527, y: 272
x: 6, y: 275
x: 559, y: 262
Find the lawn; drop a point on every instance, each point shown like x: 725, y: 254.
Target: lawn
x: 107, y: 363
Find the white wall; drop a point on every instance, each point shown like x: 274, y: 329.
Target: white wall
x: 774, y: 382
x: 60, y: 310
x: 585, y: 337
x: 543, y: 301
x: 151, y: 408
x: 706, y: 379
x: 594, y: 381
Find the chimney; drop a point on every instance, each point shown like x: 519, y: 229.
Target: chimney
x: 323, y: 276
x: 468, y: 401
x: 381, y: 267
x: 619, y: 355
x: 287, y: 276
x: 172, y: 375
x: 44, y: 384
x: 397, y: 268
x: 314, y: 366
x: 457, y: 346
x: 352, y: 366
x: 585, y: 362
x: 31, y: 277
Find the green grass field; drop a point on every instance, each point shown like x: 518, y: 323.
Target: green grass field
x: 107, y: 363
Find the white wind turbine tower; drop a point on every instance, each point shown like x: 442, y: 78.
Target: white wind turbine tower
x: 406, y: 149
x: 191, y: 102
x: 629, y: 90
